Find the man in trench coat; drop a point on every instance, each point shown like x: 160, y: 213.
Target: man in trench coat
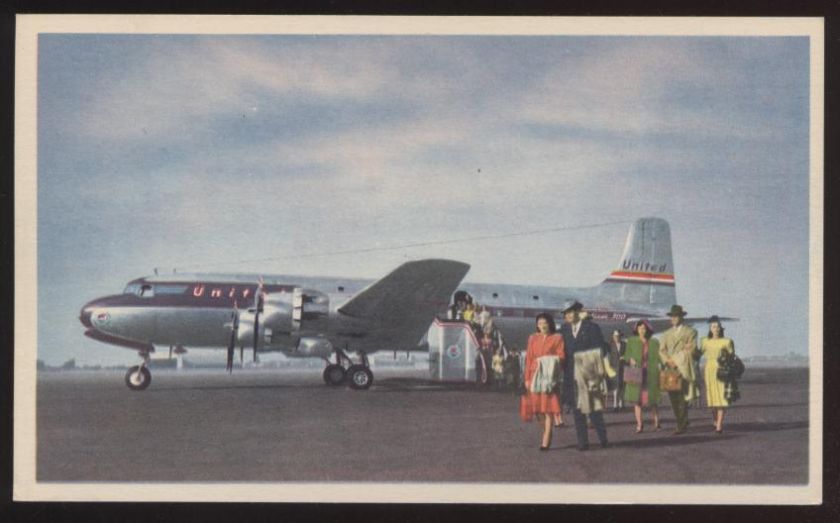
x: 676, y: 348
x: 580, y: 335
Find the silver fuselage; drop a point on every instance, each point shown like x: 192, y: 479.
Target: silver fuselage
x: 195, y: 310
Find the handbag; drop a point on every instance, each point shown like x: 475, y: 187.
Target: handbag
x: 670, y: 380
x: 731, y: 367
x: 632, y: 375
x: 737, y: 366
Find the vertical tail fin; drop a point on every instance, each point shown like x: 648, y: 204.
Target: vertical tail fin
x: 645, y: 273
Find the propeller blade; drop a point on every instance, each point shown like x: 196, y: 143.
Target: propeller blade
x: 256, y: 332
x: 234, y: 332
x: 259, y: 302
x: 229, y: 366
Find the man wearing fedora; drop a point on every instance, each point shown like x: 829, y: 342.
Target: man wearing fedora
x: 676, y: 351
x: 581, y: 336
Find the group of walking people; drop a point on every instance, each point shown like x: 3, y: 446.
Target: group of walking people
x: 576, y: 369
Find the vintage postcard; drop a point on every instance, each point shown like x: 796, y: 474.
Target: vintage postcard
x: 418, y: 259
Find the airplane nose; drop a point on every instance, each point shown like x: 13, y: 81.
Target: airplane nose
x: 84, y: 316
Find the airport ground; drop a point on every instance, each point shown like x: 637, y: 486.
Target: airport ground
x: 286, y: 425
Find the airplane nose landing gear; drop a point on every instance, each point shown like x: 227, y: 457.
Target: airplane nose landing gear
x: 139, y: 377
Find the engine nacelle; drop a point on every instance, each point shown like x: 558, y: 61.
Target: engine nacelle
x: 310, y: 311
x: 313, y: 347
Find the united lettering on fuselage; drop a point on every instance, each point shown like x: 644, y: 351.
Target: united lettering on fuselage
x: 198, y: 293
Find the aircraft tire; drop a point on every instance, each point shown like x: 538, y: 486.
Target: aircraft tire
x: 334, y: 375
x: 361, y: 378
x: 138, y: 380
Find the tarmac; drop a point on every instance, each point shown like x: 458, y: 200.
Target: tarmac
x: 287, y: 426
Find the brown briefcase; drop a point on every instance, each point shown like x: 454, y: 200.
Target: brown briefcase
x: 670, y: 380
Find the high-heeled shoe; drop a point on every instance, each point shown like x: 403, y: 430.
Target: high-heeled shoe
x: 658, y: 426
x: 640, y: 429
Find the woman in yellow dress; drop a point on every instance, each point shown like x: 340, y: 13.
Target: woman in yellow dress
x: 711, y: 347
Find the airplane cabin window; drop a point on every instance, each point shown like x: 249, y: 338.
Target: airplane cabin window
x: 146, y: 291
x: 170, y: 289
x: 536, y: 297
x: 495, y: 294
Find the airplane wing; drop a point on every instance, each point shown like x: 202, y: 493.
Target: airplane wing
x: 403, y: 304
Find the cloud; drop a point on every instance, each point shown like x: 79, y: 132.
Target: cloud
x: 178, y: 88
x: 445, y: 111
x: 651, y: 87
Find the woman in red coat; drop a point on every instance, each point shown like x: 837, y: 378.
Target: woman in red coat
x: 543, y: 367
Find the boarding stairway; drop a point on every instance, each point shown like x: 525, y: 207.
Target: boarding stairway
x: 453, y: 350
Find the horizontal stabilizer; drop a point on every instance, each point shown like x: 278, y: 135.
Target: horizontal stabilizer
x: 417, y: 289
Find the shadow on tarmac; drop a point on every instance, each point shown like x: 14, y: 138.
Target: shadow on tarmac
x: 767, y: 405
x: 296, y: 386
x: 754, y: 426
x: 667, y: 440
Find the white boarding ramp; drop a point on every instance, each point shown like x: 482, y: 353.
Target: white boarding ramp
x: 453, y: 348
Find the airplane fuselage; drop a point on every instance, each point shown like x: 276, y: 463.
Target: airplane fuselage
x: 308, y: 316
x: 301, y: 314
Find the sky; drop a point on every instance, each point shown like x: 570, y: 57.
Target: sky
x: 264, y: 153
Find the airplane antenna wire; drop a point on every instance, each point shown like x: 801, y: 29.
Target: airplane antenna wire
x: 420, y: 244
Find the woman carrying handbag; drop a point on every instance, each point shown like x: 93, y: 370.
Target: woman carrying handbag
x: 641, y: 373
x: 719, y: 393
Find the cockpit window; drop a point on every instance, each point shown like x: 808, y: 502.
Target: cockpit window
x: 146, y: 290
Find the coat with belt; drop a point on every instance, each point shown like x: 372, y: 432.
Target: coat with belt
x: 679, y: 345
x: 635, y: 349
x: 589, y: 337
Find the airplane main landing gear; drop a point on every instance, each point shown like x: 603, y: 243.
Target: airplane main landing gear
x: 357, y: 375
x: 361, y: 378
x: 139, y: 377
x: 334, y: 374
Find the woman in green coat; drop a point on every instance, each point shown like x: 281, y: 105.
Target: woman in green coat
x: 643, y: 351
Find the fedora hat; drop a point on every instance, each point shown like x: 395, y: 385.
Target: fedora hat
x: 572, y: 305
x: 676, y: 310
